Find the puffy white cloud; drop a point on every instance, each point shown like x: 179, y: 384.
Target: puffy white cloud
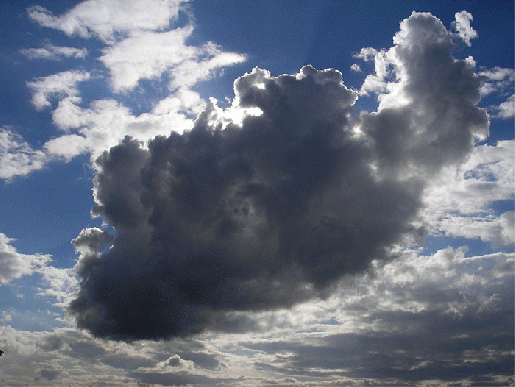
x: 463, y: 28
x: 106, y: 122
x: 17, y: 158
x: 105, y: 19
x: 146, y: 55
x: 140, y: 44
x: 150, y: 54
x: 51, y: 52
x: 355, y: 67
x: 458, y: 200
x: 507, y: 108
x: 57, y: 85
x: 14, y: 264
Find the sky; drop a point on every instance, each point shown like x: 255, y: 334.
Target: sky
x: 257, y: 193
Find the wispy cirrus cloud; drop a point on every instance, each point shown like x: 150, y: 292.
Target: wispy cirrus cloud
x: 51, y: 52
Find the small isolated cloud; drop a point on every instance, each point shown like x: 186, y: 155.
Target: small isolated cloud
x: 51, y: 52
x: 17, y: 158
x: 366, y: 53
x: 355, y: 67
x: 13, y: 264
x: 463, y: 28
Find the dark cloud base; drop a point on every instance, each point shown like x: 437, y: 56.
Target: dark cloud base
x: 272, y: 212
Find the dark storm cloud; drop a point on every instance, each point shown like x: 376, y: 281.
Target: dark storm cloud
x: 429, y: 345
x: 256, y: 216
x: 419, y: 346
x: 454, y: 324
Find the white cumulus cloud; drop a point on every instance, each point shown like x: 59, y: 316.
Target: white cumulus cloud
x: 17, y: 158
x: 463, y: 27
x: 14, y: 264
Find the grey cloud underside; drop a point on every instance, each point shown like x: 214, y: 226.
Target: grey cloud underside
x: 241, y: 218
x: 250, y: 217
x: 407, y: 347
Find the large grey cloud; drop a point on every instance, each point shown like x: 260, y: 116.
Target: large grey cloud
x: 273, y: 211
x: 441, y: 319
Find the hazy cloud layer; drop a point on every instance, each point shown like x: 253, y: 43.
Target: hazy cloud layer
x: 442, y: 319
x: 272, y: 211
x: 51, y: 52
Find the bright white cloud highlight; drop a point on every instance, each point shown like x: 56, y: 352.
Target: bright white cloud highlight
x: 458, y: 200
x: 17, y: 158
x: 13, y: 264
x: 149, y: 55
x: 57, y: 85
x: 146, y: 55
x: 463, y: 27
x: 507, y: 109
x: 104, y: 19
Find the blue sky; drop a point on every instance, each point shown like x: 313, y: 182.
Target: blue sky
x: 257, y: 193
